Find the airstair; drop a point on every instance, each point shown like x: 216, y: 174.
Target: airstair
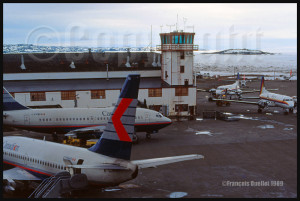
x: 59, y: 184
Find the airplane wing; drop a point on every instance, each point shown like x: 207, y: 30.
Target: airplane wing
x: 237, y: 101
x: 256, y: 90
x: 103, y: 166
x: 203, y: 90
x: 250, y: 97
x: 148, y: 163
x: 18, y: 174
x: 245, y: 92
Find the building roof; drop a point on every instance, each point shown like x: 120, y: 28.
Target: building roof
x: 83, y: 62
x: 77, y: 84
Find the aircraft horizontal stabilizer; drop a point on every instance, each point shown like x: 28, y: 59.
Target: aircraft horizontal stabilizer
x: 148, y: 163
x: 104, y: 167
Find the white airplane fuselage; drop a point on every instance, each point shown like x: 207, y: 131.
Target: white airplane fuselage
x: 231, y: 89
x: 277, y: 100
x: 63, y: 120
x: 43, y: 159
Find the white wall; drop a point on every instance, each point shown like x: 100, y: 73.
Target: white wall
x: 84, y: 99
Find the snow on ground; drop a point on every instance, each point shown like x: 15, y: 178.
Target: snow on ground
x: 277, y: 65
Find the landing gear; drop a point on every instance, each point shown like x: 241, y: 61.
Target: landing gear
x: 210, y: 99
x: 135, y: 138
x: 259, y: 110
x: 54, y: 137
x: 148, y: 136
x: 291, y: 110
x: 286, y: 112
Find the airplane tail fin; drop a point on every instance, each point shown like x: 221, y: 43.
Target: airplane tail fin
x: 116, y: 140
x: 262, y: 85
x: 9, y: 103
x: 238, y: 79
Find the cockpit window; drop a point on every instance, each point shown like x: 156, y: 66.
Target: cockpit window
x: 159, y: 115
x: 287, y: 99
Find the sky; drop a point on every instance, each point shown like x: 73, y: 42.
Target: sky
x: 263, y: 26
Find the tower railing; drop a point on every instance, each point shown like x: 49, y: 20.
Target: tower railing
x: 174, y: 47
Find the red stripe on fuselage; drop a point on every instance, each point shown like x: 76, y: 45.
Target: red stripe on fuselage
x: 275, y: 100
x: 27, y: 168
x: 116, y: 119
x: 86, y: 126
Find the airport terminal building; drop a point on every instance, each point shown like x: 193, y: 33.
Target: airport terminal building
x: 94, y: 79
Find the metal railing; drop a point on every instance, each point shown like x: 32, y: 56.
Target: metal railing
x: 173, y: 47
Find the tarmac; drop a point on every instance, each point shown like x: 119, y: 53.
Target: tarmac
x: 254, y: 157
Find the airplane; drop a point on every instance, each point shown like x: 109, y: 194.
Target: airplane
x: 229, y: 90
x: 268, y: 99
x: 78, y: 120
x: 107, y: 163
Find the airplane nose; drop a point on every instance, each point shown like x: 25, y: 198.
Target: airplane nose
x: 168, y: 120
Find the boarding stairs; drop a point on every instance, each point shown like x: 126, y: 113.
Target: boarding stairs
x: 59, y: 184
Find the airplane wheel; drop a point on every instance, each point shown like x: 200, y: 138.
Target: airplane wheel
x: 291, y: 110
x: 259, y: 110
x: 210, y: 99
x: 148, y: 136
x: 135, y: 139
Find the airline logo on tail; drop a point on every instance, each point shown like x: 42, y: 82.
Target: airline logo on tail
x: 262, y: 84
x: 116, y: 119
x: 116, y: 140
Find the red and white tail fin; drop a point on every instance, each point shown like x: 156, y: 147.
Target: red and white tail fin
x: 262, y: 86
x: 116, y: 140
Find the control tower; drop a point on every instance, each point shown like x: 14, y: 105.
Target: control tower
x: 177, y: 57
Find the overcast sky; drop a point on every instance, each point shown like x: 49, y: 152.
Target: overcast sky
x: 269, y: 27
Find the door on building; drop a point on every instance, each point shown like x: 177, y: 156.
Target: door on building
x: 191, y: 109
x: 26, y: 120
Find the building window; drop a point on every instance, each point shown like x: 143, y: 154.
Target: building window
x: 181, y: 107
x: 181, y: 91
x: 155, y: 92
x: 97, y: 94
x: 181, y: 69
x: 182, y: 55
x: 186, y: 82
x: 68, y: 95
x: 166, y: 74
x: 37, y: 96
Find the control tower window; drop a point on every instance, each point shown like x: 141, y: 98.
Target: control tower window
x: 191, y: 40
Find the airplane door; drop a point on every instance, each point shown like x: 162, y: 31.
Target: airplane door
x: 147, y: 117
x: 26, y: 120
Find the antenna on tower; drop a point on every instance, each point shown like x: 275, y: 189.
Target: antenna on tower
x: 151, y: 39
x: 161, y: 28
x: 170, y: 26
x: 177, y: 23
x: 184, y: 21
